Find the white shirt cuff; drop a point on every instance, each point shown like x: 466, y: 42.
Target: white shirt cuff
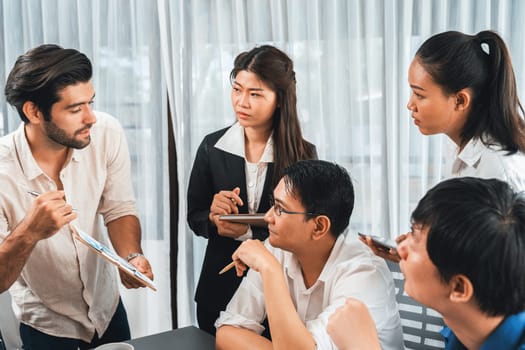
x: 246, y: 236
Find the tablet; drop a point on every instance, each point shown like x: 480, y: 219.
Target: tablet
x: 111, y: 256
x: 249, y: 219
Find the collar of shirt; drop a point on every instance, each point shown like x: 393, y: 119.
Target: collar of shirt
x: 25, y: 157
x: 293, y: 269
x: 23, y: 153
x: 233, y: 142
x: 472, y: 152
x: 506, y: 336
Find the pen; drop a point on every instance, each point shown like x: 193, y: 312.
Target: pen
x: 33, y: 193
x: 36, y: 194
x: 227, y: 268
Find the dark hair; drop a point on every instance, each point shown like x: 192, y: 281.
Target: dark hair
x: 477, y: 229
x: 40, y: 74
x: 275, y: 68
x: 323, y: 188
x: 481, y: 63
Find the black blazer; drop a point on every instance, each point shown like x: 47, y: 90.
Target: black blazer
x: 215, y: 170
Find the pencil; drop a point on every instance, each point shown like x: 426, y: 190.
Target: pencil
x: 227, y: 268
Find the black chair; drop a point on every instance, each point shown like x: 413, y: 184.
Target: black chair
x: 2, y: 344
x: 421, y: 325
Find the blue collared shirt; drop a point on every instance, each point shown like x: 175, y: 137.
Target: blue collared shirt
x: 506, y: 336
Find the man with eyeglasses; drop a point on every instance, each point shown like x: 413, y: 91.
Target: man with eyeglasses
x: 307, y: 268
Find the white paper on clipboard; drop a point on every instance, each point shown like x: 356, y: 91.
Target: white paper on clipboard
x: 111, y: 256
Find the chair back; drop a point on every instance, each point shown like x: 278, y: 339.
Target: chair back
x: 421, y: 325
x: 2, y: 344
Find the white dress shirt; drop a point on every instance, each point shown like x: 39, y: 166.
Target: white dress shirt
x: 233, y: 142
x: 65, y: 289
x: 487, y: 162
x: 352, y: 270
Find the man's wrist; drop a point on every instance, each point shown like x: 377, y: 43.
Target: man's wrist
x: 133, y: 256
x: 22, y: 233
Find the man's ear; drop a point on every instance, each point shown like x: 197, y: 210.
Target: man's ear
x: 463, y: 99
x: 32, y: 112
x: 322, y: 226
x: 461, y: 289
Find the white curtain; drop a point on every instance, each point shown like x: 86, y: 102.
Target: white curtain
x: 122, y: 40
x: 351, y: 59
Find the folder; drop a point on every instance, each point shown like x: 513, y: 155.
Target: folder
x: 110, y: 255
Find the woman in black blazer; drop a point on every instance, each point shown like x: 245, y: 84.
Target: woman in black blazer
x: 236, y: 168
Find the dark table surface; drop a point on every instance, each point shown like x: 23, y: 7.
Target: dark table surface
x: 183, y: 338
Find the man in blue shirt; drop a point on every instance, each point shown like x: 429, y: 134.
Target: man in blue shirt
x: 464, y: 257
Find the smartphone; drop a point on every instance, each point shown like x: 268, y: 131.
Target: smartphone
x: 380, y: 242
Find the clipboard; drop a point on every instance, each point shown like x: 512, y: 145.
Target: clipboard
x: 256, y: 219
x: 110, y: 255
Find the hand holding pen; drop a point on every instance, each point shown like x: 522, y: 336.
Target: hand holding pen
x: 253, y: 254
x: 48, y: 214
x: 227, y: 202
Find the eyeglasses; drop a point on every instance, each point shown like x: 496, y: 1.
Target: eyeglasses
x: 278, y: 210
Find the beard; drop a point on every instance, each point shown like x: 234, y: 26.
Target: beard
x: 57, y: 135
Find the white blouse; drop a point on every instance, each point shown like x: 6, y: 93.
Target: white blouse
x: 233, y: 142
x: 488, y: 162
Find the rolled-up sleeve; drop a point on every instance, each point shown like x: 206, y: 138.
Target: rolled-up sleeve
x: 246, y: 309
x: 118, y: 198
x: 3, y: 228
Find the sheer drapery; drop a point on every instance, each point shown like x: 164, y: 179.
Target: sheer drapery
x: 122, y: 40
x: 351, y: 59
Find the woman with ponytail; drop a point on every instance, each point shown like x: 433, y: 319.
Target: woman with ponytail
x: 464, y: 86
